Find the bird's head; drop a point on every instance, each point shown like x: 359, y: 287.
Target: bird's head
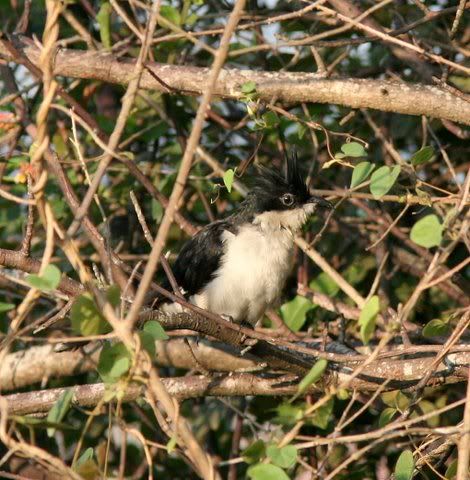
x: 283, y: 201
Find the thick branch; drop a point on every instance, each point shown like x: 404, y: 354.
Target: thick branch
x: 16, y: 260
x: 181, y: 388
x: 36, y: 364
x: 239, y: 384
x: 33, y: 365
x: 288, y: 87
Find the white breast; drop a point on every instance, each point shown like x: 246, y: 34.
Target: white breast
x: 252, y: 273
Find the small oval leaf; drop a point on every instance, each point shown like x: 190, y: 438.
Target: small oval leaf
x: 157, y: 210
x: 265, y: 471
x: 228, y: 179
x: 323, y: 415
x: 155, y: 330
x: 313, y: 375
x: 103, y: 17
x: 284, y: 457
x: 361, y: 172
x: 368, y: 317
x: 288, y: 414
x: 171, y: 14
x: 86, y: 318
x: 46, y: 282
x: 422, y: 156
x: 353, y: 149
x: 427, y: 231
x: 270, y: 119
x: 6, y: 307
x: 254, y: 452
x: 405, y: 466
x: 451, y: 471
x: 386, y: 416
x: 294, y: 312
x: 249, y: 87
x: 114, y: 362
x: 59, y: 409
x: 383, y: 179
x: 148, y: 343
x: 435, y: 328
x: 323, y: 283
x: 84, y: 457
x: 113, y: 295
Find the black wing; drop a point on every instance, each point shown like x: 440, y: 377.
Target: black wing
x: 200, y: 257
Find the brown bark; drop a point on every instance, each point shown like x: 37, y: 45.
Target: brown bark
x: 286, y: 87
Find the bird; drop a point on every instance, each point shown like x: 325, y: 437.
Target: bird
x: 237, y: 267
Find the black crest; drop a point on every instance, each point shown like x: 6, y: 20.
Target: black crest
x: 275, y: 191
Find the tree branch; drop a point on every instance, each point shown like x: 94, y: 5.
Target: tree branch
x: 287, y: 87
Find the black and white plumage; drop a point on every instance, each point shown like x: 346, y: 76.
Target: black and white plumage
x: 238, y: 266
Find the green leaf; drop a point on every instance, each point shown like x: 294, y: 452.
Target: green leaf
x: 422, y: 156
x: 249, y: 87
x: 427, y: 407
x: 191, y: 19
x: 60, y: 146
x: 113, y: 295
x: 59, y: 409
x: 85, y: 456
x: 313, y: 375
x: 157, y: 210
x: 270, y: 119
x: 301, y: 131
x: 383, y: 179
x: 103, y: 17
x: 228, y: 179
x: 114, y: 362
x: 294, y: 313
x: 17, y: 160
x: 396, y: 399
x: 148, y: 343
x: 288, y: 414
x: 86, y: 318
x: 386, y: 416
x: 361, y: 172
x: 427, y: 231
x: 171, y: 14
x: 171, y: 444
x: 342, y: 394
x: 405, y: 466
x: 265, y: 471
x: 368, y: 317
x: 353, y: 149
x: 323, y: 283
x: 463, y: 82
x: 255, y: 452
x: 156, y: 330
x: 451, y: 471
x: 360, y: 267
x: 48, y: 281
x: 284, y: 457
x: 5, y: 307
x: 86, y: 466
x: 322, y: 415
x: 435, y: 328
x: 39, y: 422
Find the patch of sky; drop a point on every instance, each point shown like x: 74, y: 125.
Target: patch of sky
x: 24, y: 79
x: 362, y: 53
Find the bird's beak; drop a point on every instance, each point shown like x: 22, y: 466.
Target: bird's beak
x: 320, y: 202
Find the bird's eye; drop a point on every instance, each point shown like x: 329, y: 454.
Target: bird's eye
x: 287, y: 199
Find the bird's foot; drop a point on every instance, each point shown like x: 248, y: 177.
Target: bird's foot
x: 228, y: 318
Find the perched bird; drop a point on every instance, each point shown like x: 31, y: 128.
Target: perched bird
x: 238, y: 266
